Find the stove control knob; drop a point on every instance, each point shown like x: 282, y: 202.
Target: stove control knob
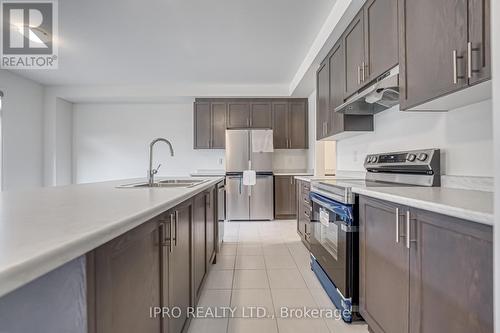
x: 411, y: 157
x: 422, y: 157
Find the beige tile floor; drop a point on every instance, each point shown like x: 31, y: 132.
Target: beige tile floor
x: 265, y: 265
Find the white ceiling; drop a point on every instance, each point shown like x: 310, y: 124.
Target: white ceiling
x: 165, y: 42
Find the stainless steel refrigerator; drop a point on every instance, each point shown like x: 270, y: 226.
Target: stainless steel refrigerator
x: 254, y: 202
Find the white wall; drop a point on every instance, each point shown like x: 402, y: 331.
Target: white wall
x: 465, y: 135
x: 111, y: 141
x: 64, y: 142
x: 22, y: 128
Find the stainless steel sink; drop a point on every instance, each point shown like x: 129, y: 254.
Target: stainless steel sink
x: 168, y: 183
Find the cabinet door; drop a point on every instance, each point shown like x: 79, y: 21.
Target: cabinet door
x: 284, y: 192
x: 354, y: 46
x: 260, y: 115
x: 280, y: 125
x: 384, y: 267
x: 322, y: 99
x: 480, y: 42
x: 381, y: 37
x: 451, y: 275
x: 428, y: 45
x: 202, y: 125
x: 337, y: 87
x: 210, y: 229
x: 199, y: 232
x: 218, y: 125
x: 297, y: 127
x: 180, y: 265
x: 238, y: 114
x: 126, y: 282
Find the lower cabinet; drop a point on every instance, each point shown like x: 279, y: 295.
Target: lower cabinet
x: 161, y: 263
x: 199, y: 247
x: 210, y: 226
x: 284, y: 197
x: 440, y: 279
x: 303, y: 211
x: 179, y: 266
x: 118, y: 274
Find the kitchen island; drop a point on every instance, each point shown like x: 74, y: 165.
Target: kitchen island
x: 43, y: 229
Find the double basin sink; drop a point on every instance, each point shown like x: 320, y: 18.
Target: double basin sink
x: 168, y: 183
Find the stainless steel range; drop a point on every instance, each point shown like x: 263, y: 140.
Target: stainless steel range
x: 334, y: 220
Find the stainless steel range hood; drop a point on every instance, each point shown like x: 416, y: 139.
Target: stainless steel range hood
x: 382, y: 94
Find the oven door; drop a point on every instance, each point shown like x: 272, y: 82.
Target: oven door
x: 331, y: 239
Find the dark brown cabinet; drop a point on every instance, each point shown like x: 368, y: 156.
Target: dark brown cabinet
x: 179, y: 290
x: 280, y: 124
x: 290, y: 124
x: 210, y: 211
x: 479, y: 46
x: 161, y: 263
x: 218, y: 123
x: 440, y: 56
x: 123, y: 282
x: 438, y: 280
x: 354, y: 55
x: 285, y: 201
x: 303, y: 211
x: 199, y: 246
x: 260, y: 115
x: 384, y: 267
x: 330, y: 94
x: 238, y: 114
x: 381, y: 37
x: 209, y: 125
x: 322, y: 99
x: 288, y: 117
x: 298, y: 125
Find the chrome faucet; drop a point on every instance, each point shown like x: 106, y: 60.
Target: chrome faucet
x: 152, y: 172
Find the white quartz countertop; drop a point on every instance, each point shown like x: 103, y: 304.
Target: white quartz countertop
x: 309, y: 179
x: 293, y: 172
x: 43, y: 228
x: 476, y: 206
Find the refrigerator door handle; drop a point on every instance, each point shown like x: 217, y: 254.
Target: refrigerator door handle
x: 241, y: 184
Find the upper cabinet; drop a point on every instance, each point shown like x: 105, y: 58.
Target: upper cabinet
x: 288, y: 117
x: 209, y: 125
x: 322, y: 99
x: 260, y: 114
x: 249, y: 114
x: 381, y: 37
x: 238, y: 114
x: 444, y: 48
x: 290, y: 124
x: 354, y: 46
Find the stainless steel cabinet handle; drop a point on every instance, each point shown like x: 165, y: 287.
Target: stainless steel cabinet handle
x: 176, y: 224
x: 170, y: 232
x: 408, y: 233
x: 363, y: 71
x: 359, y: 75
x: 397, y: 225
